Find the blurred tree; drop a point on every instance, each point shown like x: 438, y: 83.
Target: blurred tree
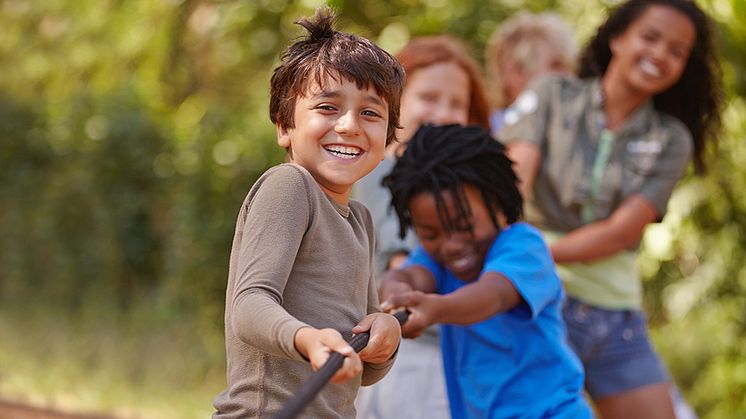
x: 694, y: 261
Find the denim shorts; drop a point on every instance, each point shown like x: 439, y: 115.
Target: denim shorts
x: 614, y: 347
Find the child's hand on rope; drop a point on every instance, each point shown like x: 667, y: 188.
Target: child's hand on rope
x: 385, y: 334
x: 317, y: 344
x: 422, y: 307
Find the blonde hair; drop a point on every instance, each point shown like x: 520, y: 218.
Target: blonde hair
x: 519, y: 38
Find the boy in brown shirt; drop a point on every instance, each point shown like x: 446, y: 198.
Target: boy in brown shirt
x: 301, y: 266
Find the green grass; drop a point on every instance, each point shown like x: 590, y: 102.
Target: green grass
x: 138, y: 366
x: 154, y: 362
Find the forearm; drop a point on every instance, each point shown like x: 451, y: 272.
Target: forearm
x: 274, y: 333
x: 591, y: 242
x: 396, y: 260
x: 412, y: 278
x: 491, y: 294
x: 399, y: 277
x: 621, y: 231
x: 526, y: 159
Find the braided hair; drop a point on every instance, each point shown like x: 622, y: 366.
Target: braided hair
x: 445, y: 158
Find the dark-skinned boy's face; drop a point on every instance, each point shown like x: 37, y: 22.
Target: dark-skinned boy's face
x: 463, y: 250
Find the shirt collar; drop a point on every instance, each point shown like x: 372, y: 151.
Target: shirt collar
x: 638, y: 123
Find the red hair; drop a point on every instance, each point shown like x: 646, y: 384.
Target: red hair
x: 425, y: 51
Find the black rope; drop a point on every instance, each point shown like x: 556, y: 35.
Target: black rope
x: 318, y: 380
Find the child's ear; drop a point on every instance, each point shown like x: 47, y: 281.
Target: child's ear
x: 283, y: 136
x: 614, y: 45
x: 502, y: 221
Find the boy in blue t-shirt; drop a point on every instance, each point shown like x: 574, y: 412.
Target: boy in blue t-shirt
x: 488, y: 278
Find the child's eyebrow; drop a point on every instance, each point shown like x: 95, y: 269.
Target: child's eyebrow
x: 375, y: 99
x: 331, y: 94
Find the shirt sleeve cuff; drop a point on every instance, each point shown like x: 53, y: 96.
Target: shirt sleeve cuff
x: 372, y: 373
x: 290, y: 350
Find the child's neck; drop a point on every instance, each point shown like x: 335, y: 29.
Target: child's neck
x: 341, y: 198
x: 620, y: 101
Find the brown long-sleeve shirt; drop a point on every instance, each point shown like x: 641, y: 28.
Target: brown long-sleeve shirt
x: 298, y: 259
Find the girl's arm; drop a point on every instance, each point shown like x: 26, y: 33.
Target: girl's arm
x: 622, y: 230
x: 526, y: 159
x: 411, y: 278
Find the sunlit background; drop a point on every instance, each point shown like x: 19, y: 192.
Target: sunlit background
x: 130, y: 132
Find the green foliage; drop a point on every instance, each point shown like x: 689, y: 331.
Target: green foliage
x: 694, y: 261
x: 130, y: 132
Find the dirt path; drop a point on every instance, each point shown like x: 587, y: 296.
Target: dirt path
x: 15, y: 410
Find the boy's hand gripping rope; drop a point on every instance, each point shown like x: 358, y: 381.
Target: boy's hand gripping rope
x: 311, y: 388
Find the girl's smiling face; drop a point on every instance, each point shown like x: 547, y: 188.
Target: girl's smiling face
x: 463, y: 249
x: 438, y: 94
x: 652, y: 53
x: 339, y: 134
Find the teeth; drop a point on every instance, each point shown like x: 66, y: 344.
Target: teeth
x: 462, y: 262
x: 650, y: 68
x: 345, y: 152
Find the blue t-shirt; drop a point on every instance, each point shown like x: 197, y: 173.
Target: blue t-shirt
x: 517, y: 363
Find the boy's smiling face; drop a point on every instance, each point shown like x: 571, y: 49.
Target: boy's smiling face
x: 463, y: 250
x: 339, y: 134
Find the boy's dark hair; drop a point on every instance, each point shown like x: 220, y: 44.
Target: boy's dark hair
x: 697, y: 98
x: 444, y: 158
x: 326, y: 52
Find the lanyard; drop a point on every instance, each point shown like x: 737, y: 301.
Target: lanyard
x: 605, y: 144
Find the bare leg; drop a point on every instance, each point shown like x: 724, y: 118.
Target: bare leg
x: 649, y: 402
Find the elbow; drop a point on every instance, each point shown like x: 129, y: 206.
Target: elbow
x: 239, y: 318
x: 626, y: 237
x: 244, y: 310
